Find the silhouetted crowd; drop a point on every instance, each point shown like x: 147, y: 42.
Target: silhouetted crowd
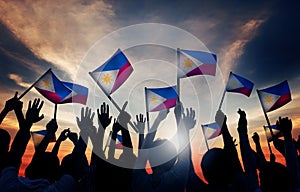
x: 158, y: 166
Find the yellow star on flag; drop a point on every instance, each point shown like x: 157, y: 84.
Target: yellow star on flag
x: 153, y: 100
x: 107, y: 79
x: 46, y: 83
x: 268, y: 99
x: 234, y: 83
x: 188, y: 63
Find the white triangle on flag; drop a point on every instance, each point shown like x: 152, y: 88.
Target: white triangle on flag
x: 267, y: 100
x: 46, y: 83
x: 154, y: 100
x: 233, y: 83
x: 37, y: 138
x: 186, y: 64
x: 106, y: 79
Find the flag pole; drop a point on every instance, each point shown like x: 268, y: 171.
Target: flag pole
x: 222, y: 99
x: 269, y: 146
x: 55, y: 110
x: 113, y: 102
x: 178, y: 79
x: 268, y: 121
x: 206, y: 143
x: 147, y: 110
x: 29, y: 88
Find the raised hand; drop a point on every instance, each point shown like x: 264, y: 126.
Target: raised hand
x: 64, y: 135
x: 33, y: 111
x: 220, y: 118
x: 12, y: 103
x: 242, y: 124
x: 51, y: 128
x: 255, y: 137
x: 73, y: 137
x: 140, y: 123
x: 188, y: 119
x: 285, y: 125
x: 103, y: 116
x: 86, y: 118
x: 178, y: 111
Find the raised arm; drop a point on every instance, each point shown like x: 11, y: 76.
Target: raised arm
x: 22, y: 137
x: 285, y: 126
x: 140, y: 125
x: 10, y: 105
x: 229, y: 143
x: 62, y: 137
x: 259, y: 153
x: 248, y: 157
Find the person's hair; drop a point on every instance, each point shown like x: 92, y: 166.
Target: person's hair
x: 217, y: 168
x: 274, y: 176
x: 4, y: 142
x: 43, y: 165
x: 162, y: 154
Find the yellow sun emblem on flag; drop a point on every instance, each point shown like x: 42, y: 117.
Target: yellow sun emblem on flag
x: 233, y: 83
x: 107, y: 78
x: 188, y: 63
x: 46, y: 83
x: 153, y: 99
x: 268, y: 99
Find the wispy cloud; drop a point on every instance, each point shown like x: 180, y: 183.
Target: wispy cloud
x: 59, y: 32
x: 19, y: 80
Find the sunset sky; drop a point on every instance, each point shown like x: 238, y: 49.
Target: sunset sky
x: 257, y: 40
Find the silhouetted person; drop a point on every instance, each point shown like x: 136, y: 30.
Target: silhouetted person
x: 285, y: 126
x: 169, y: 166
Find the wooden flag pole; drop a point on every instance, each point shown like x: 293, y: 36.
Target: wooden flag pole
x: 28, y: 89
x: 206, y: 143
x: 147, y: 110
x: 113, y: 102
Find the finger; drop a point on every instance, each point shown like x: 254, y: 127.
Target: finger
x: 107, y: 109
x: 93, y: 114
x: 82, y: 112
x: 41, y: 117
x: 102, y: 107
x: 137, y: 117
x: 124, y: 106
x: 98, y: 112
x: 16, y: 95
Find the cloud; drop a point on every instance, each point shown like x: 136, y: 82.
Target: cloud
x: 58, y: 31
x: 18, y: 80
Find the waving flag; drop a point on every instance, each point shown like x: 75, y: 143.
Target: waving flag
x: 196, y: 63
x: 113, y: 73
x: 52, y: 88
x: 37, y: 137
x: 211, y: 130
x: 275, y: 96
x: 158, y: 99
x: 275, y: 130
x: 239, y: 84
x: 79, y: 93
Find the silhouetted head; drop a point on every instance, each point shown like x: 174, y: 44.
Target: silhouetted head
x: 162, y: 155
x: 69, y: 165
x: 4, y: 142
x: 274, y: 177
x: 43, y: 165
x: 217, y: 167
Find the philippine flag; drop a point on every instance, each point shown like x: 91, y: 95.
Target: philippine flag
x: 193, y: 62
x: 52, y: 88
x: 119, y: 142
x: 113, y: 73
x: 158, y: 99
x: 79, y: 93
x: 274, y: 97
x: 211, y: 130
x: 239, y: 84
x: 37, y: 137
